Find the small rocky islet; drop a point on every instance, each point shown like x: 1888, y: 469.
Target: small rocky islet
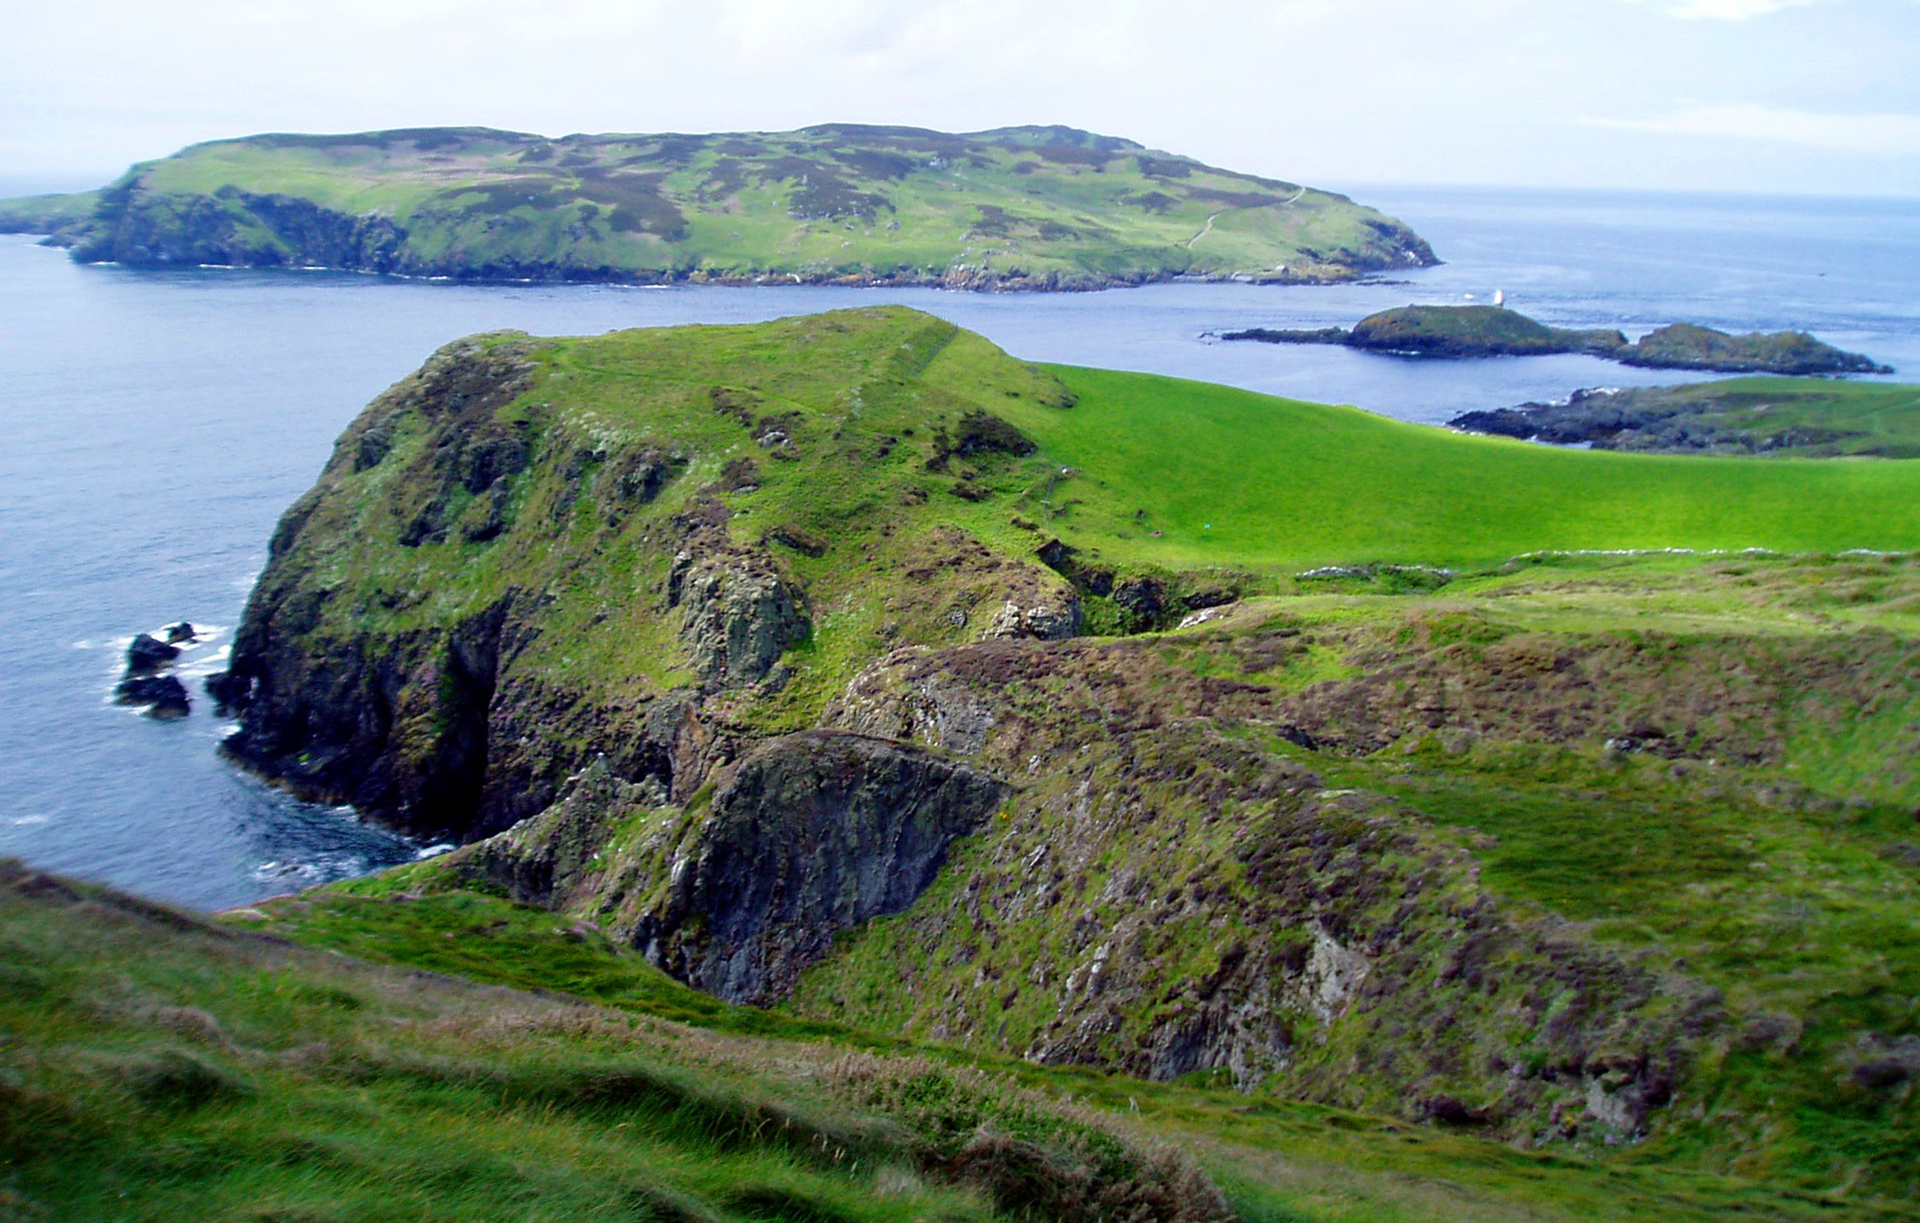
x: 146, y: 683
x: 1452, y: 332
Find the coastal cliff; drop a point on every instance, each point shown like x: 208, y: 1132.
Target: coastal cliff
x: 765, y: 652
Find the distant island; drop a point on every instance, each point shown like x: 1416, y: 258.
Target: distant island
x: 1011, y: 208
x: 1493, y: 331
x: 1796, y: 417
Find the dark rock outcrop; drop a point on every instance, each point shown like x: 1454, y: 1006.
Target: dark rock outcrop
x: 1800, y: 417
x: 147, y: 654
x: 814, y: 833
x: 164, y: 696
x: 1687, y: 346
x: 134, y: 224
x: 737, y: 615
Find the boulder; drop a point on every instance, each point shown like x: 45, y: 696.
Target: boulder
x: 163, y: 695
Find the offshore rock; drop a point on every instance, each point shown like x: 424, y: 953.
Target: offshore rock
x: 147, y: 654
x: 164, y: 696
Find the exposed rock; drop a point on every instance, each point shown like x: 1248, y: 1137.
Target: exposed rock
x: 177, y: 633
x: 1879, y: 1063
x: 164, y: 696
x: 1492, y: 331
x: 905, y: 697
x: 147, y: 654
x: 1802, y: 418
x: 1687, y: 346
x: 737, y: 616
x: 1051, y: 621
x: 231, y: 693
x: 546, y: 859
x: 814, y: 833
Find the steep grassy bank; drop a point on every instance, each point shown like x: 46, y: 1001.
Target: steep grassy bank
x: 159, y: 1068
x: 1023, y: 207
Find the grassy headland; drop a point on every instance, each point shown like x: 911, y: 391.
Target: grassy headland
x: 1361, y: 804
x: 1023, y: 207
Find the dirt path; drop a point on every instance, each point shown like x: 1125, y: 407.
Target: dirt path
x: 1210, y: 220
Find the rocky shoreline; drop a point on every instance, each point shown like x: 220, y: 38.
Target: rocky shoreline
x: 1810, y: 417
x: 956, y: 279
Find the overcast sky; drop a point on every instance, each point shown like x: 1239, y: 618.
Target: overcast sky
x: 1803, y: 96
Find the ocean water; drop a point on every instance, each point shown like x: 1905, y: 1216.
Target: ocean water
x: 156, y: 424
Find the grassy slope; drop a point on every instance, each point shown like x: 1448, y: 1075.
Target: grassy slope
x: 1786, y: 884
x: 1234, y: 478
x: 822, y: 201
x: 45, y: 214
x: 1820, y: 932
x: 158, y: 1068
x: 1278, y: 1160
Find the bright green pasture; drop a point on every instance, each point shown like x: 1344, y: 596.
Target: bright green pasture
x: 1234, y: 478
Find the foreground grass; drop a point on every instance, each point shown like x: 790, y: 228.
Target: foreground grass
x: 1276, y: 1159
x: 152, y: 1067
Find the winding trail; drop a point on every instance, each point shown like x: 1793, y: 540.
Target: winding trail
x: 1210, y: 220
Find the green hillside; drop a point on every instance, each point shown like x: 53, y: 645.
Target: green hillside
x: 1027, y: 207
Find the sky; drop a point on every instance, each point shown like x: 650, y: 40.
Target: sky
x: 1788, y: 96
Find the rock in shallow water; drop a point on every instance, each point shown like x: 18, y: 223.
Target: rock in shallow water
x: 147, y: 654
x: 164, y: 696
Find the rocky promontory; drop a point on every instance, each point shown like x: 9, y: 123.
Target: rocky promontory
x: 796, y: 658
x: 1815, y: 418
x: 1494, y: 331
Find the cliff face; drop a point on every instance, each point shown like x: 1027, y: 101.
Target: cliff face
x: 491, y: 583
x: 1011, y: 209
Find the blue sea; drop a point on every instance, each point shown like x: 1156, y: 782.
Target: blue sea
x: 156, y: 424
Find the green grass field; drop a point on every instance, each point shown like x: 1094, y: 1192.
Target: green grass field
x: 1233, y: 478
